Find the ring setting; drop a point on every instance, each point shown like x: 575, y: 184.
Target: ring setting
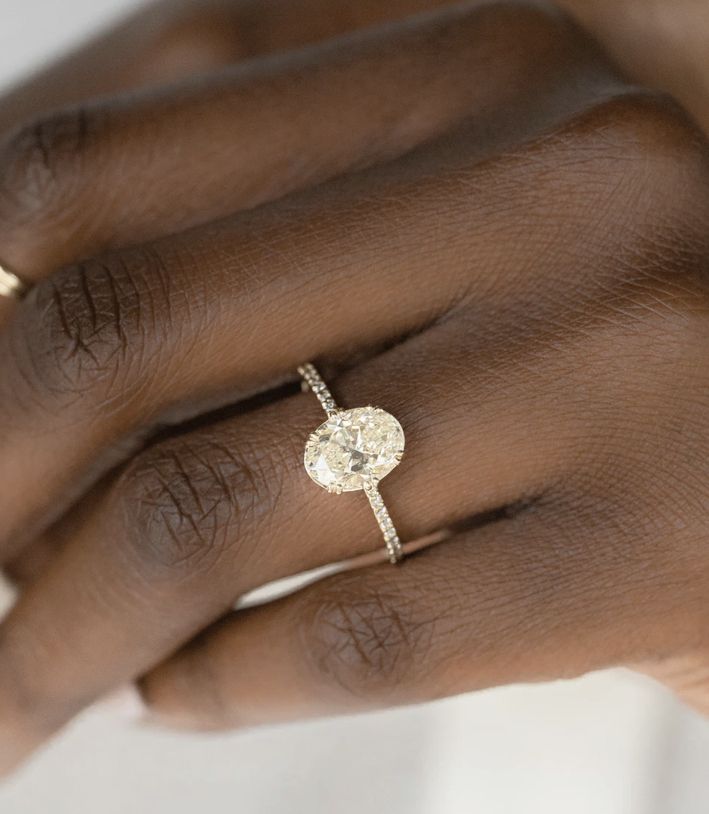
x: 352, y: 451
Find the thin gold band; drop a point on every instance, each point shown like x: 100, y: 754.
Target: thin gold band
x: 11, y: 285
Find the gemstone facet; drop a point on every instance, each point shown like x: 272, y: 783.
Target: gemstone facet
x: 354, y: 448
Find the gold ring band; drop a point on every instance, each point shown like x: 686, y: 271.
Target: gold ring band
x: 11, y: 285
x: 353, y: 450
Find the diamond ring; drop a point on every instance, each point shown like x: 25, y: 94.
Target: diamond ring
x: 11, y: 285
x: 353, y: 450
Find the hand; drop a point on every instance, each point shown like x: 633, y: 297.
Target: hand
x: 519, y: 276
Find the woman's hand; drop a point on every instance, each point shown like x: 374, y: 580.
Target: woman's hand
x: 519, y: 276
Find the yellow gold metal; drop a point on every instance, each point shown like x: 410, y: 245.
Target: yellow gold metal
x: 11, y: 285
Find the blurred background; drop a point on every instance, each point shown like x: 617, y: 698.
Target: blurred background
x: 611, y: 743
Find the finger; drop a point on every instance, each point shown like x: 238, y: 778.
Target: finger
x: 524, y: 599
x: 124, y: 170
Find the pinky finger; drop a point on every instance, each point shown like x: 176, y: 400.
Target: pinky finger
x: 492, y: 606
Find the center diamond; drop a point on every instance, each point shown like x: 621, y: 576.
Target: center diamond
x: 354, y: 447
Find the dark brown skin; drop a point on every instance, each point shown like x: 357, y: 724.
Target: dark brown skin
x: 488, y: 232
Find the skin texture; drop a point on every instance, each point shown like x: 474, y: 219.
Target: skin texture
x: 470, y: 219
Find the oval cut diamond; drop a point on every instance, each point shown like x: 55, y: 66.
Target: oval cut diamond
x: 354, y: 447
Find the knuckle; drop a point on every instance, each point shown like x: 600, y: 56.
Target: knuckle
x: 86, y: 331
x: 365, y: 644
x: 645, y: 141
x: 660, y: 157
x: 40, y: 166
x: 185, y: 502
x: 629, y: 174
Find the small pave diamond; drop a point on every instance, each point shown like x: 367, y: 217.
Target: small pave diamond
x: 354, y: 449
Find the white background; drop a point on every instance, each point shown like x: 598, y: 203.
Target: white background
x: 608, y: 744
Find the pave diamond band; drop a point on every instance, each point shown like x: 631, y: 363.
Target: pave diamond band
x: 353, y: 450
x: 313, y: 381
x: 11, y: 285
